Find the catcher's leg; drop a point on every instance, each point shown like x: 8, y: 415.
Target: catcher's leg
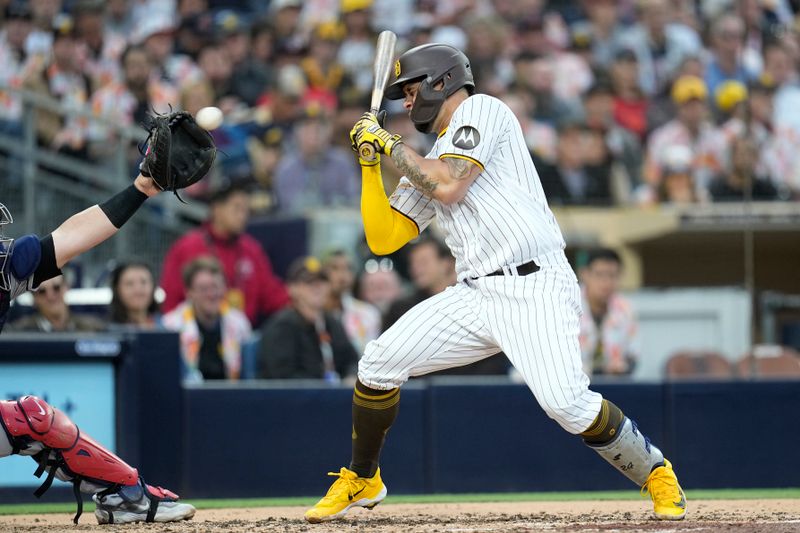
x: 34, y: 428
x: 441, y: 332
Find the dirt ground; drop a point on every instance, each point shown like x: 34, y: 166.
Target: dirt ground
x: 775, y: 516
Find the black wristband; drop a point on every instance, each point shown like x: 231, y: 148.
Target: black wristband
x: 120, y: 207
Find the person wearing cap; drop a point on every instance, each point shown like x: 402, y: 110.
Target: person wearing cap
x: 321, y: 68
x: 251, y: 284
x: 62, y: 80
x: 357, y: 51
x: 312, y: 173
x: 750, y: 112
x: 602, y: 28
x: 304, y: 341
x: 691, y: 128
x: 250, y: 77
x: 99, y: 49
x: 17, y: 64
x: 211, y: 331
x: 660, y: 45
x: 361, y: 320
x: 157, y: 35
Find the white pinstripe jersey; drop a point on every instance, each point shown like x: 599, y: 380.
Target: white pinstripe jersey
x: 504, y: 218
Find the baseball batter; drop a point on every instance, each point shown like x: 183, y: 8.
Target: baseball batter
x: 516, y: 292
x: 32, y: 427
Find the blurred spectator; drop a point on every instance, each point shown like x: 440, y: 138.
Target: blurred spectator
x: 285, y: 17
x: 624, y: 146
x: 540, y: 137
x: 252, y: 286
x: 357, y: 52
x: 749, y: 112
x: 17, y: 65
x: 733, y: 185
x: 157, y: 36
x: 780, y: 69
x: 305, y: 341
x: 535, y: 74
x: 379, y: 283
x: 251, y: 77
x: 574, y: 179
x: 324, y: 74
x: 630, y: 103
x: 129, y: 102
x: 361, y: 321
x: 52, y: 312
x: 692, y: 129
x: 211, y: 331
x: 133, y: 295
x: 759, y: 22
x: 727, y: 35
x: 194, y: 32
x: 99, y: 49
x: 217, y: 68
x: 677, y: 186
x: 487, y: 50
x: 432, y: 269
x: 602, y: 29
x: 608, y: 323
x: 62, y: 80
x: 312, y: 173
x: 660, y: 45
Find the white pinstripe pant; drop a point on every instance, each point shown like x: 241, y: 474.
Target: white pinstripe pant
x: 533, y: 319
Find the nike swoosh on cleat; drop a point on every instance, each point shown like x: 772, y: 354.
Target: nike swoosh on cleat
x: 681, y: 504
x: 356, y: 493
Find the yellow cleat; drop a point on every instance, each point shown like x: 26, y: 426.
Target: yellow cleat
x: 346, y: 492
x: 669, y: 502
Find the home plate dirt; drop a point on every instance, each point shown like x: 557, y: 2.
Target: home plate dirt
x: 774, y: 516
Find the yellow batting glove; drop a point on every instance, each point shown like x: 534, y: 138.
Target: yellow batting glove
x: 365, y: 120
x: 383, y: 141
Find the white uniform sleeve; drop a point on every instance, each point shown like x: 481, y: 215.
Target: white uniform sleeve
x: 413, y: 204
x: 475, y: 130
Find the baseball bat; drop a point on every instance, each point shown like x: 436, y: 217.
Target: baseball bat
x: 384, y: 55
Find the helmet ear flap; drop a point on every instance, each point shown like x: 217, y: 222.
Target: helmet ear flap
x: 426, y: 105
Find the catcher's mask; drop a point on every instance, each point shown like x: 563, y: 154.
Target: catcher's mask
x: 430, y: 64
x: 5, y: 247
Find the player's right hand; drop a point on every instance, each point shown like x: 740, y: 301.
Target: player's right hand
x: 368, y: 130
x: 146, y: 185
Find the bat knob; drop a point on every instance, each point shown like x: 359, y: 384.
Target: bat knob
x: 367, y: 151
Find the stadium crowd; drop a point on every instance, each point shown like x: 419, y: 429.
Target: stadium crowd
x: 629, y: 102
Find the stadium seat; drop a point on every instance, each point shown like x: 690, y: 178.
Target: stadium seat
x: 689, y: 365
x: 770, y: 362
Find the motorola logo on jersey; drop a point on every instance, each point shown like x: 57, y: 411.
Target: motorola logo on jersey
x: 466, y: 138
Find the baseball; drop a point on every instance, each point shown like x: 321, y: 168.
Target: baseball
x: 209, y: 118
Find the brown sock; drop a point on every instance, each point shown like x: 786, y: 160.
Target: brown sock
x: 374, y: 412
x: 605, y: 426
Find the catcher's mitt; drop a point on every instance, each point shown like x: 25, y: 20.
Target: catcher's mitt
x: 179, y: 152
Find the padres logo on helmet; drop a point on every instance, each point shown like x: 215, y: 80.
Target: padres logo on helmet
x: 397, y: 69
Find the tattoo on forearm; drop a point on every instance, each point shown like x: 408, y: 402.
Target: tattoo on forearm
x: 412, y: 171
x: 459, y: 168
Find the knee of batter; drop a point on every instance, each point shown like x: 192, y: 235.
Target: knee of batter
x: 573, y: 412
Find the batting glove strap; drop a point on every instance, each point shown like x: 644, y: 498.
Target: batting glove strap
x: 382, y: 140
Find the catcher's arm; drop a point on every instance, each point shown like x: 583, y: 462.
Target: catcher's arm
x: 85, y: 230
